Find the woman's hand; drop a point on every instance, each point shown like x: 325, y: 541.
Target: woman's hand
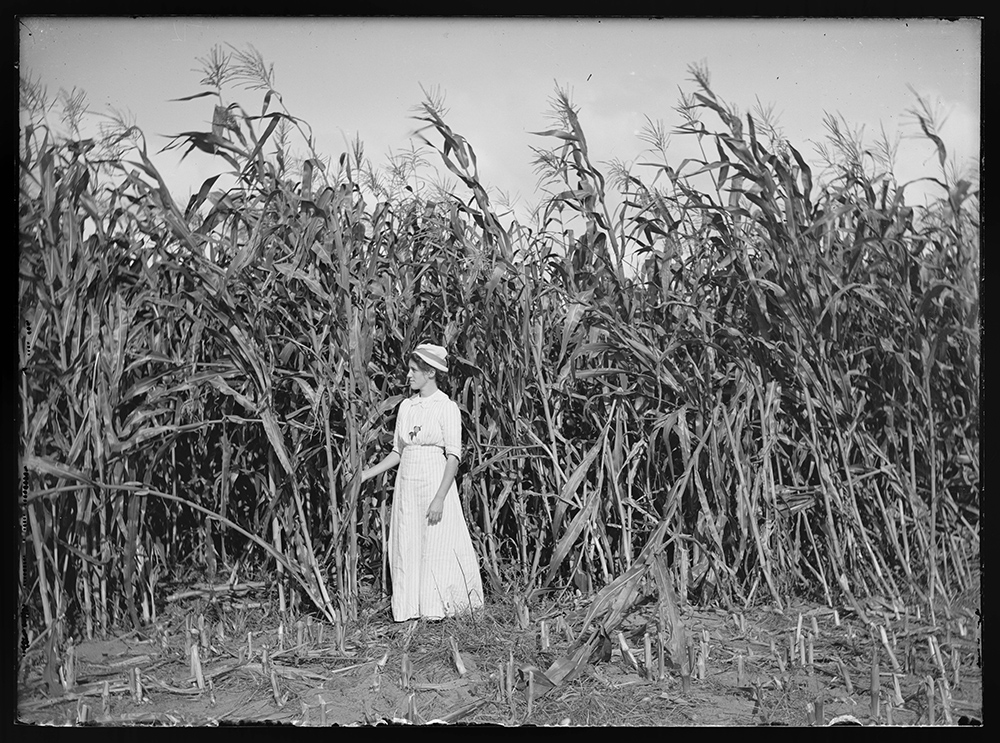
x: 435, y: 510
x: 351, y: 474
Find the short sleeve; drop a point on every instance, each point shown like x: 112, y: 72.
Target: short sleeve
x: 451, y: 424
x: 399, y: 426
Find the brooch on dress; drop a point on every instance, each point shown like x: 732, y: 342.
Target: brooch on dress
x: 414, y: 432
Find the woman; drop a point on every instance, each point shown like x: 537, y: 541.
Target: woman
x: 434, y: 569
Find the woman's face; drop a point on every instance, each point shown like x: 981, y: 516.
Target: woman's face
x: 417, y: 377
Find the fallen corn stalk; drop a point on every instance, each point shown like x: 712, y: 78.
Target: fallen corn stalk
x: 613, y: 603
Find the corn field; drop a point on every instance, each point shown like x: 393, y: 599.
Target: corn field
x: 765, y: 372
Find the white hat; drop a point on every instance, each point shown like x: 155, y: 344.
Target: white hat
x: 434, y: 356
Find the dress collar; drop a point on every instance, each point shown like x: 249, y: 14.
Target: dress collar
x: 434, y: 397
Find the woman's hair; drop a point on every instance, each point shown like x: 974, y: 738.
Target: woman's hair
x: 439, y: 376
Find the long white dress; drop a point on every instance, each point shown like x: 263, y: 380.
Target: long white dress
x: 435, y: 572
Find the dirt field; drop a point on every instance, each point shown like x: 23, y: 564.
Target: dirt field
x: 805, y: 665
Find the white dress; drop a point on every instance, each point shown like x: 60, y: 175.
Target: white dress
x: 435, y: 572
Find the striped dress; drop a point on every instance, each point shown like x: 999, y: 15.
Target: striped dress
x: 435, y: 572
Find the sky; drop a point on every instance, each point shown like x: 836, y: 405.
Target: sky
x: 363, y: 76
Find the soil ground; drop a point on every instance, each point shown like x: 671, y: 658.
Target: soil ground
x: 804, y: 665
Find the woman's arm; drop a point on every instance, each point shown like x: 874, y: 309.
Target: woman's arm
x: 436, y: 507
x: 392, y: 458
x: 390, y: 461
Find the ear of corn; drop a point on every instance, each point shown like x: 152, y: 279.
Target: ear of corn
x: 771, y: 370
